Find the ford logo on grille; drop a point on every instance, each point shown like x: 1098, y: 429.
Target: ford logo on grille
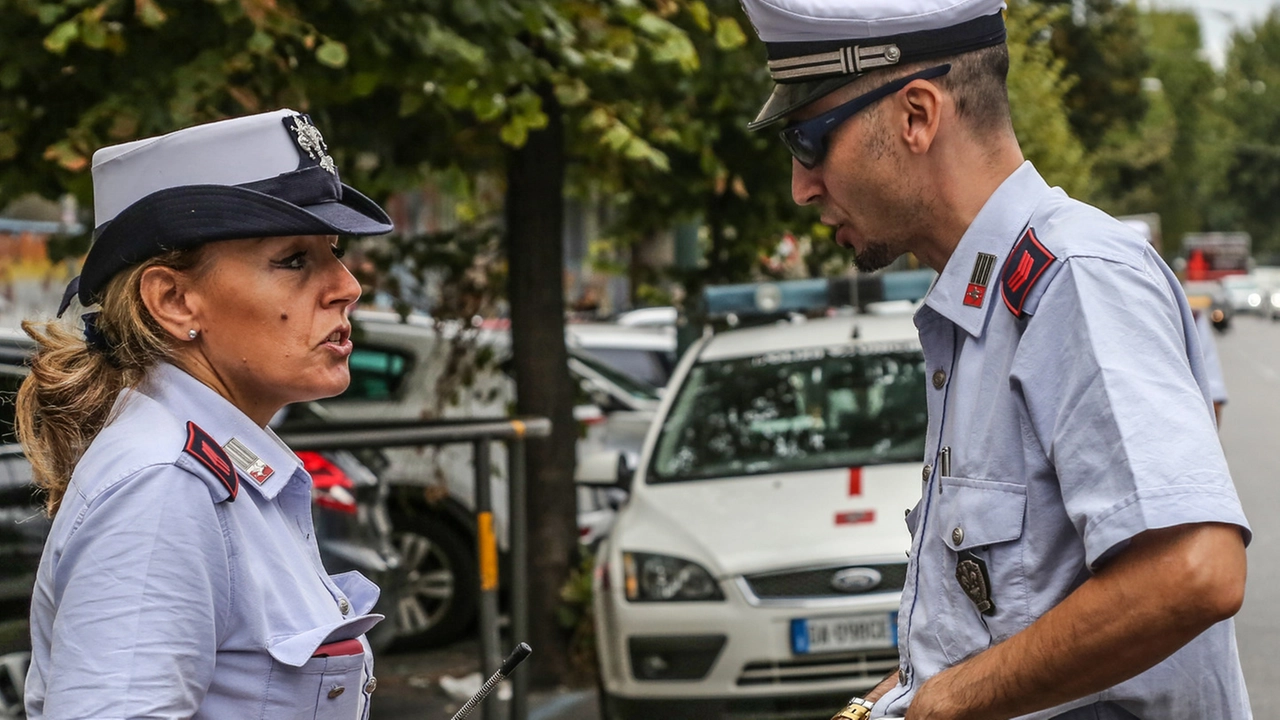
x: 855, y: 580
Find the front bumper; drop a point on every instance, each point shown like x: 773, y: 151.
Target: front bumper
x: 753, y: 673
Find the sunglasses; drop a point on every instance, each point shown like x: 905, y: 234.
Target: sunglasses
x: 807, y: 139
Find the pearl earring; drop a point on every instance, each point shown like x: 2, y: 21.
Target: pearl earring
x: 192, y: 333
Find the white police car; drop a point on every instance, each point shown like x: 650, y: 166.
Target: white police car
x: 757, y: 567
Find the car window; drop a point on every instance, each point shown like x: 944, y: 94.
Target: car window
x: 651, y: 366
x: 795, y: 410
x: 376, y: 373
x: 633, y: 386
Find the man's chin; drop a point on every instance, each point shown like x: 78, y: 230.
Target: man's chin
x: 873, y: 256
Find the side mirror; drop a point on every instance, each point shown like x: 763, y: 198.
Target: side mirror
x: 605, y: 469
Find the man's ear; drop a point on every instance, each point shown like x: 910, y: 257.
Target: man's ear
x: 167, y: 293
x: 922, y: 104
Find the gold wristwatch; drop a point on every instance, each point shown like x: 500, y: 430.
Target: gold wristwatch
x: 857, y: 709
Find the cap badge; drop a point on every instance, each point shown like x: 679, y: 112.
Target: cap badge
x: 976, y: 293
x: 309, y: 139
x: 248, y: 461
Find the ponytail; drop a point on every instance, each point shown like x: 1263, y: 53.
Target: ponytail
x: 67, y: 398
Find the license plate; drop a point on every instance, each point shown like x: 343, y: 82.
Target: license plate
x: 843, y: 634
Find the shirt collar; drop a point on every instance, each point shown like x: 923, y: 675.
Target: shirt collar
x: 993, y: 232
x: 189, y: 399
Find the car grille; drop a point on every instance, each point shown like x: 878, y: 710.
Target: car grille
x: 870, y: 666
x: 816, y: 583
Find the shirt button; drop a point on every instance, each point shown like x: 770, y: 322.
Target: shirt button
x: 957, y: 536
x: 335, y: 691
x: 372, y: 685
x: 344, y: 606
x: 902, y: 673
x: 939, y: 379
x: 928, y: 469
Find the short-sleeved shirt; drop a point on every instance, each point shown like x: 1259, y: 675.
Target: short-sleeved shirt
x: 172, y: 585
x: 1065, y: 377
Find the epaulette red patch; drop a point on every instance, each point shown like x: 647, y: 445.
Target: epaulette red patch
x: 1025, y: 265
x: 202, y: 447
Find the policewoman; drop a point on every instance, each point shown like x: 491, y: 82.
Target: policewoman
x: 1079, y: 547
x: 181, y: 578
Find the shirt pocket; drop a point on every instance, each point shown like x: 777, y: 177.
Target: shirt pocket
x: 304, y: 687
x: 981, y: 520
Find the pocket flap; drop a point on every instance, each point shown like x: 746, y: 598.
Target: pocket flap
x: 296, y: 650
x: 361, y: 592
x: 980, y: 512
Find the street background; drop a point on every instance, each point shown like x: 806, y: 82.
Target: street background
x: 1251, y: 438
x: 408, y: 683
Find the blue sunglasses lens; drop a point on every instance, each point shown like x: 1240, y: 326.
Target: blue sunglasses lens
x: 808, y: 151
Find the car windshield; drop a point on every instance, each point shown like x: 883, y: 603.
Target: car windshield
x: 795, y: 410
x: 633, y: 386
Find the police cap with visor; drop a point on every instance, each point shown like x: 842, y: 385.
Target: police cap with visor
x: 817, y: 46
x: 264, y: 175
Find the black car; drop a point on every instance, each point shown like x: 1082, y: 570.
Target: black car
x: 349, y: 508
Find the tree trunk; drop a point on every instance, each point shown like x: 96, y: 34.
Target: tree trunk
x: 535, y: 253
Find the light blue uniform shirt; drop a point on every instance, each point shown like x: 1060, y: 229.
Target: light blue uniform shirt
x: 160, y: 596
x: 1073, y: 425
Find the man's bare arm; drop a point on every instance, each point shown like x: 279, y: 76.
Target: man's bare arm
x: 885, y: 686
x: 1157, y: 595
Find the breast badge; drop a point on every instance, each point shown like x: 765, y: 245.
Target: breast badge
x: 971, y: 573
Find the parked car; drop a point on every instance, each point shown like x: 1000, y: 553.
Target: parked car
x: 645, y: 352
x: 400, y: 371
x: 349, y: 509
x: 757, y: 567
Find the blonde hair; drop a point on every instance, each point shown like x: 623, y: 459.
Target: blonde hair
x: 67, y: 398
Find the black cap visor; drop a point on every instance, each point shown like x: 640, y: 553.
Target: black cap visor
x: 787, y: 98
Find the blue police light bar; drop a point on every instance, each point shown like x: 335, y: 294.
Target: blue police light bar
x: 801, y: 296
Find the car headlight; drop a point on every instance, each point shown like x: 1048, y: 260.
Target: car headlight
x: 657, y: 578
x: 1275, y: 299
x: 1255, y: 299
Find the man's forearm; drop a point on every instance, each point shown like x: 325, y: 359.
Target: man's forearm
x: 1160, y: 593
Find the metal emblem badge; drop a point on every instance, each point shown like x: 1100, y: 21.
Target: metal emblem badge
x: 971, y: 573
x: 308, y: 137
x: 855, y: 580
x: 976, y: 293
x: 248, y: 461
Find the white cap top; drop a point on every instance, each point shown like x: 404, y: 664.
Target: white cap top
x: 836, y: 20
x: 124, y: 174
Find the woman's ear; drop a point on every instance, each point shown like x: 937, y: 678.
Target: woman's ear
x: 168, y: 295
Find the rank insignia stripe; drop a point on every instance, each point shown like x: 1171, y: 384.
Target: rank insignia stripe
x: 1027, y: 262
x: 201, y: 446
x: 976, y: 293
x: 248, y: 461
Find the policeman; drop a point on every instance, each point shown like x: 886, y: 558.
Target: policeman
x: 181, y: 577
x: 1078, y: 550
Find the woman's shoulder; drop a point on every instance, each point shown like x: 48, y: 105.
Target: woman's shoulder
x: 143, y: 436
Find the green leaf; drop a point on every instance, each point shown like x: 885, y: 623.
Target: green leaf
x: 8, y: 146
x: 729, y: 35
x: 701, y: 16
x: 364, y: 83
x: 57, y: 41
x: 261, y: 42
x: 514, y: 133
x: 489, y: 107
x: 332, y: 53
x: 48, y: 14
x: 150, y: 13
x: 573, y: 93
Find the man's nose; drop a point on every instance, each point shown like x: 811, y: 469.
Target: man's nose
x: 806, y: 184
